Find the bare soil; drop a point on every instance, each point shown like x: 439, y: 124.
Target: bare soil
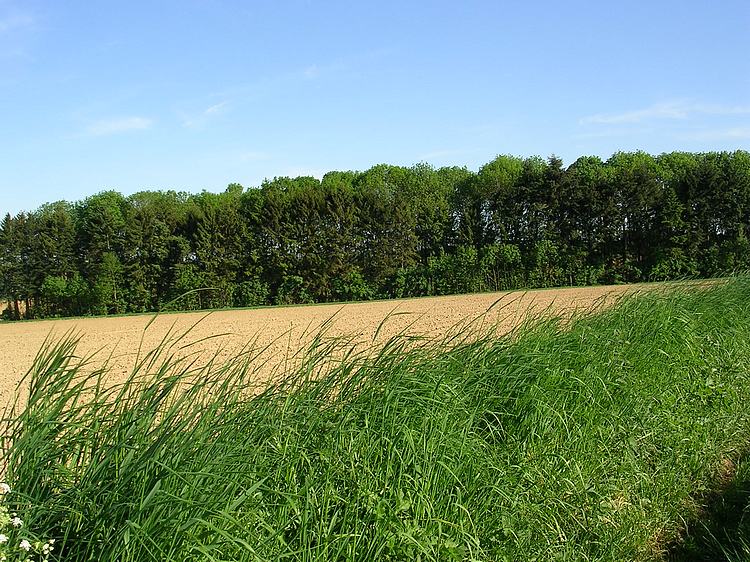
x: 281, y: 331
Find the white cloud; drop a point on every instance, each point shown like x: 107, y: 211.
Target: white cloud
x: 446, y: 153
x: 312, y: 71
x: 14, y: 21
x: 614, y: 133
x: 118, y: 125
x: 254, y: 156
x: 733, y: 133
x: 200, y: 119
x: 217, y: 108
x: 302, y: 172
x: 666, y: 110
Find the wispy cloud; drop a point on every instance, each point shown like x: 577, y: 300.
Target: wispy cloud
x: 254, y: 156
x: 11, y: 22
x: 312, y: 71
x: 445, y: 153
x: 200, y: 119
x: 614, y: 133
x: 301, y: 172
x: 353, y: 63
x: 216, y: 108
x: 733, y: 133
x: 666, y: 110
x: 115, y: 126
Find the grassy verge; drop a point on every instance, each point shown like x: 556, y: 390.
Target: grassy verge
x: 587, y: 441
x: 722, y: 532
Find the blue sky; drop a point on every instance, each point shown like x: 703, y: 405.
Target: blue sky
x: 193, y: 95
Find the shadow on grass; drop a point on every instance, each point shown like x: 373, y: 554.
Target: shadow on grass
x: 723, y: 533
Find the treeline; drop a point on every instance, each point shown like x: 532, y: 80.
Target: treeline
x: 390, y: 231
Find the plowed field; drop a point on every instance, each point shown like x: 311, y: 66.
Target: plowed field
x: 281, y: 331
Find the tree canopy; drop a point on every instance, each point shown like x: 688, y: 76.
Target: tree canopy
x: 390, y: 231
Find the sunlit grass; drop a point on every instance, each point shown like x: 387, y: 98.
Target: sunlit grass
x: 573, y: 441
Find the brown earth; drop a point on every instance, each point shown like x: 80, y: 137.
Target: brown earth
x: 280, y: 331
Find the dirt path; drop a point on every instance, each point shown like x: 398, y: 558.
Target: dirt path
x: 281, y: 330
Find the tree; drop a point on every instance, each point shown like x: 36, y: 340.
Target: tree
x: 388, y: 231
x: 501, y: 203
x: 101, y: 229
x: 637, y: 187
x: 108, y: 285
x: 154, y: 247
x: 11, y: 262
x: 388, y: 224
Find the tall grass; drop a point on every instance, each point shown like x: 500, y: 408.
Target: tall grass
x: 561, y: 441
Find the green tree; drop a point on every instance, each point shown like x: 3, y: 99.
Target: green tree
x: 12, y: 262
x: 501, y: 200
x: 154, y: 246
x: 108, y: 285
x: 388, y: 224
x: 101, y: 229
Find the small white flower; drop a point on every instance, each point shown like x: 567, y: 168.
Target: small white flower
x: 3, y: 538
x: 4, y: 488
x: 16, y: 522
x: 26, y: 545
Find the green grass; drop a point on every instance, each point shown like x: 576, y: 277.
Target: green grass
x: 592, y: 440
x: 723, y: 530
